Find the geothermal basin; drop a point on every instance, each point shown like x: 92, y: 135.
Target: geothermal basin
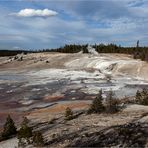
x: 43, y: 80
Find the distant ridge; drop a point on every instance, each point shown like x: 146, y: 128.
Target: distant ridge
x: 6, y: 52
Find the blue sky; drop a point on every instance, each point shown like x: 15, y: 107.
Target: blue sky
x: 37, y: 24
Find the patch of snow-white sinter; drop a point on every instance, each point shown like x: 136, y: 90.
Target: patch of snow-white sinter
x: 87, y: 82
x: 92, y: 50
x: 110, y: 65
x: 122, y: 73
x: 52, y: 75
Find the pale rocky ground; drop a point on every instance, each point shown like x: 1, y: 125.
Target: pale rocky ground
x: 85, y: 129
x: 61, y: 78
x: 106, y: 63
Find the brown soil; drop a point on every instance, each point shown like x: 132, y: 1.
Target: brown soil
x: 53, y: 98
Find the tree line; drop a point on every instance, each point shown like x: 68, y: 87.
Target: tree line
x: 4, y: 53
x: 137, y: 52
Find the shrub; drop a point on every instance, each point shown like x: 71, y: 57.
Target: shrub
x: 68, y: 114
x: 9, y: 128
x: 112, y: 104
x: 138, y: 96
x: 25, y: 121
x: 100, y: 95
x: 38, y: 139
x: 26, y: 136
x: 25, y: 133
x: 97, y: 105
x: 142, y: 97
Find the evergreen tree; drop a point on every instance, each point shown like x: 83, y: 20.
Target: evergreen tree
x: 68, y: 114
x: 25, y: 133
x: 142, y: 97
x: 100, y: 95
x: 144, y: 92
x: 138, y: 44
x: 38, y: 139
x: 112, y: 104
x: 145, y: 100
x: 138, y: 96
x: 25, y: 121
x: 97, y: 105
x: 9, y: 128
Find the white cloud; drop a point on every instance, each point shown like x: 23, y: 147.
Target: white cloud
x: 35, y: 13
x: 121, y: 28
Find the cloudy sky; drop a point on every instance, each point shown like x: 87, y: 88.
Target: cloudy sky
x: 36, y: 24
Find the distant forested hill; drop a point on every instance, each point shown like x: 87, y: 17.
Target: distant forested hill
x: 137, y: 52
x: 12, y: 52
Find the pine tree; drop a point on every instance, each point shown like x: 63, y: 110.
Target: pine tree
x: 25, y: 133
x: 144, y: 92
x: 112, y: 104
x: 145, y: 100
x: 138, y: 44
x: 138, y: 96
x: 142, y: 97
x: 100, y: 95
x: 9, y: 128
x: 25, y: 120
x: 68, y: 114
x: 38, y: 139
x: 97, y: 105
